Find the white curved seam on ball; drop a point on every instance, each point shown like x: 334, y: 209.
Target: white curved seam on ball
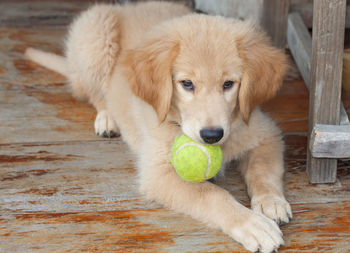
x: 198, y: 146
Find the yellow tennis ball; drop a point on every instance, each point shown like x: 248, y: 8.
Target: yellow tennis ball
x: 193, y: 161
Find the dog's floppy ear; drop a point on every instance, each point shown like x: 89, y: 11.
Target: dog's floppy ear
x: 263, y: 70
x: 148, y: 69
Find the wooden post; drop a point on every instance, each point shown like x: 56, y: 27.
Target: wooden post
x: 299, y: 42
x: 326, y: 72
x: 274, y: 20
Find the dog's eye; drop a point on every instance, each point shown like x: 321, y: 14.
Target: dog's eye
x: 228, y: 85
x: 187, y: 84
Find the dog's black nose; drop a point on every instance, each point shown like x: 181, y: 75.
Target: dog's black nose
x: 211, y: 135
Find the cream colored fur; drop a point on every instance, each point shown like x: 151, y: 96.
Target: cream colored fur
x: 129, y: 62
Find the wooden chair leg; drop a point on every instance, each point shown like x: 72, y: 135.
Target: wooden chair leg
x: 274, y: 20
x: 326, y: 71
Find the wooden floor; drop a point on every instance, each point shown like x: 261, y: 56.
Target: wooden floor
x: 62, y: 189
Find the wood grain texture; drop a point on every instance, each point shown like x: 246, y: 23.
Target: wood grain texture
x: 326, y: 70
x: 306, y: 12
x: 57, y: 14
x: 300, y: 44
x: 330, y: 141
x: 248, y: 9
x: 70, y: 191
x: 29, y: 92
x: 50, y: 114
x: 82, y: 196
x: 270, y: 14
x: 274, y: 20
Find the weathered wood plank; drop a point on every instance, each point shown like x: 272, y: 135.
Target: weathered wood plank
x: 271, y: 14
x: 57, y: 176
x: 49, y: 14
x: 330, y: 141
x: 319, y: 228
x: 163, y: 231
x: 73, y: 188
x: 44, y: 114
x: 249, y: 9
x: 300, y: 44
x: 68, y: 177
x: 149, y: 230
x: 306, y: 12
x: 297, y: 186
x: 15, y: 71
x: 53, y: 172
x: 274, y: 20
x: 34, y: 98
x: 60, y: 174
x: 326, y: 70
x: 83, y: 196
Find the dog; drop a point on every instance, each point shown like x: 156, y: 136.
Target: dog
x: 154, y: 71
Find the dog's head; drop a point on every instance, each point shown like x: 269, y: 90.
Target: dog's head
x: 210, y: 70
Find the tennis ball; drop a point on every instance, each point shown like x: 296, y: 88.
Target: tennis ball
x: 193, y: 161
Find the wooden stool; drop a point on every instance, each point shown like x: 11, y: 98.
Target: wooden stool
x: 320, y: 63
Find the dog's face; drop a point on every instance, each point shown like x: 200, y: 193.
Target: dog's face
x: 206, y: 84
x: 210, y: 70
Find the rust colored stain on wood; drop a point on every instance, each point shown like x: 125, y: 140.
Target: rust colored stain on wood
x: 135, y: 234
x: 42, y: 192
x: 23, y: 174
x: 66, y: 106
x: 13, y: 177
x: 18, y: 175
x: 23, y: 159
x: 23, y: 66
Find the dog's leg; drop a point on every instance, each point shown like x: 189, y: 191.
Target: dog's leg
x: 263, y: 170
x: 205, y: 202
x: 104, y: 124
x: 92, y: 51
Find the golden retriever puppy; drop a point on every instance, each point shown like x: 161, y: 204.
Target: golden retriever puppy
x: 157, y: 74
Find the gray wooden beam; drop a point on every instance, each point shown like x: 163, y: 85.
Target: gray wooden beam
x: 330, y: 141
x: 274, y: 20
x: 270, y: 14
x: 325, y: 85
x: 299, y: 42
x: 248, y: 9
x: 305, y: 10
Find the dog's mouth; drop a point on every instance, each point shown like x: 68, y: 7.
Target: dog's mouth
x: 206, y: 136
x: 216, y: 143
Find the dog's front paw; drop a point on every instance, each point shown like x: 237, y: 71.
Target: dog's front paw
x: 258, y: 232
x: 105, y: 125
x: 273, y: 206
